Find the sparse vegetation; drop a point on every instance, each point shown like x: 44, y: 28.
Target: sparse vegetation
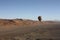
x: 39, y: 18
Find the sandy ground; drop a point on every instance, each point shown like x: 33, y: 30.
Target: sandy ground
x: 18, y: 29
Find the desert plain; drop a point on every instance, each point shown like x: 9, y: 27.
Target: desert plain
x: 19, y: 29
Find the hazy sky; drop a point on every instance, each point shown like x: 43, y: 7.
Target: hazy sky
x: 30, y: 9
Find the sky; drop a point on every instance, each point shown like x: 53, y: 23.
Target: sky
x: 30, y: 9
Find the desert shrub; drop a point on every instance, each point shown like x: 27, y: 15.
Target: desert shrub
x: 19, y: 19
x: 38, y: 39
x: 39, y: 18
x: 50, y: 39
x: 27, y: 38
